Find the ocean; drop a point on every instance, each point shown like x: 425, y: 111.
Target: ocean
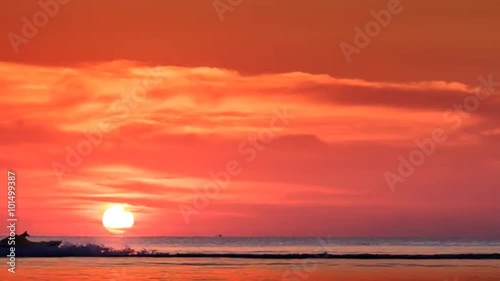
x: 256, y: 258
x: 277, y: 245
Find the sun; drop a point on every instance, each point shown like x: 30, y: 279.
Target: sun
x: 117, y: 220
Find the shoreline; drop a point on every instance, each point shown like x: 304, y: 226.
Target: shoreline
x: 493, y: 256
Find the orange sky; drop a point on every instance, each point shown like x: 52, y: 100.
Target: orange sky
x: 212, y: 85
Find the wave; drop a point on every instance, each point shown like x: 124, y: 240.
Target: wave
x: 98, y: 250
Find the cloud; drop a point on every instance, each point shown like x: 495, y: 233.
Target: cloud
x: 343, y: 135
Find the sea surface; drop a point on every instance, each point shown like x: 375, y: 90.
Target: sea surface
x: 239, y: 258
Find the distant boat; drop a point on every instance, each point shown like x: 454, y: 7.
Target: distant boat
x: 21, y: 240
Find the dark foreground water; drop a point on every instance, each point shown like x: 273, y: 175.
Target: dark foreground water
x: 114, y: 269
x: 154, y: 258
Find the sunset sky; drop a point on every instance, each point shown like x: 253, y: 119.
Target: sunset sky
x: 212, y: 86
